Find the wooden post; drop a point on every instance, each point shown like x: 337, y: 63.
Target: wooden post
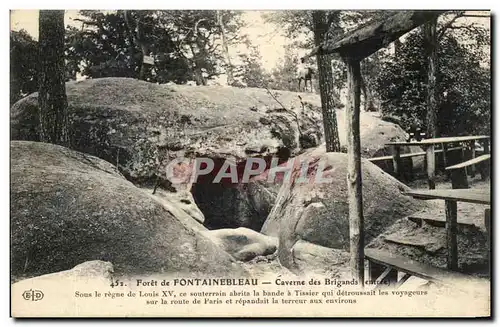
x: 396, y: 161
x: 445, y: 160
x: 354, y: 186
x: 459, y: 179
x: 487, y: 226
x: 484, y: 166
x: 472, y: 156
x: 486, y: 146
x: 431, y: 166
x: 451, y: 234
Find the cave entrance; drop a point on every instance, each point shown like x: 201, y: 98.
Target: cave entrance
x: 227, y: 204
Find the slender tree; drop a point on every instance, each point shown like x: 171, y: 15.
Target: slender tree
x: 225, y: 49
x: 326, y: 86
x: 136, y: 35
x: 52, y: 101
x: 431, y: 45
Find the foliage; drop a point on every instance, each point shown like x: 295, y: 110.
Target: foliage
x: 297, y: 25
x: 284, y: 73
x: 23, y: 65
x: 184, y: 43
x: 250, y: 72
x: 463, y: 83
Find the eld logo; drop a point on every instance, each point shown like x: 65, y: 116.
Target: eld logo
x: 33, y: 295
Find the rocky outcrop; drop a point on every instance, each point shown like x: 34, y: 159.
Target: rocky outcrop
x: 317, y: 212
x: 242, y: 243
x: 95, y: 270
x: 68, y: 207
x: 141, y: 127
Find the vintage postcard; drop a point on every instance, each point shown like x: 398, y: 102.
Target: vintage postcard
x: 228, y: 163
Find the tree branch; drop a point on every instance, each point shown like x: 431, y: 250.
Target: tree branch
x: 449, y: 25
x: 477, y: 16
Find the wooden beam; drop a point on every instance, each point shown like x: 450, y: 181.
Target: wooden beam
x: 403, y: 279
x: 470, y: 162
x: 388, y: 278
x: 354, y: 186
x: 376, y: 34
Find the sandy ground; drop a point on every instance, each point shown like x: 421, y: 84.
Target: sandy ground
x: 470, y: 213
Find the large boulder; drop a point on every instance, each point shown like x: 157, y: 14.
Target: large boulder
x: 89, y: 270
x: 68, y: 207
x: 242, y: 243
x: 141, y: 127
x: 318, y: 212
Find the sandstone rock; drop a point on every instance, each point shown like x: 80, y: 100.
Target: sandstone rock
x: 141, y: 127
x: 310, y: 258
x: 96, y: 270
x: 69, y: 207
x: 318, y: 212
x: 242, y: 243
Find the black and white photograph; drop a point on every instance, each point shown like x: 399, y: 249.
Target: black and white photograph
x: 250, y: 163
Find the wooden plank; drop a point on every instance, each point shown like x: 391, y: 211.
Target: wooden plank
x: 354, y: 182
x: 418, y: 269
x: 442, y: 140
x: 431, y: 167
x: 470, y: 162
x: 435, y: 222
x: 376, y: 34
x: 460, y: 195
x: 411, y: 155
x: 451, y: 234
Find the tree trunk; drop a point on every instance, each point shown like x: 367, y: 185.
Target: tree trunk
x: 431, y: 51
x: 326, y: 88
x: 52, y: 101
x: 229, y: 66
x: 369, y: 100
x: 354, y: 181
x: 144, y: 50
x: 138, y: 40
x: 198, y: 76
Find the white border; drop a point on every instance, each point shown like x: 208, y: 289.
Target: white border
x: 190, y: 4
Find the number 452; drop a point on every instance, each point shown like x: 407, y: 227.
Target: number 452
x: 116, y: 283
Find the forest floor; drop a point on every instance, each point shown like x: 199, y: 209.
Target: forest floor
x: 469, y: 213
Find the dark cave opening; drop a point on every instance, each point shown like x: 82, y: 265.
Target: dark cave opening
x: 227, y: 204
